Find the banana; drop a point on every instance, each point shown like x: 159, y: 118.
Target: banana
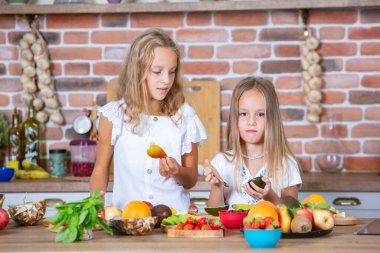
x: 35, y: 174
x: 244, y: 207
x: 29, y: 166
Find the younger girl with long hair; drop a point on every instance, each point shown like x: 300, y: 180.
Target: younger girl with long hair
x: 257, y: 146
x: 152, y: 110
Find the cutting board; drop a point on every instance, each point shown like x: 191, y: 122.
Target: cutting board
x: 204, y: 97
x: 196, y: 233
x: 345, y: 221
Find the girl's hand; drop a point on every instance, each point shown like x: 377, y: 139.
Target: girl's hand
x: 257, y: 192
x: 211, y: 174
x: 169, y: 167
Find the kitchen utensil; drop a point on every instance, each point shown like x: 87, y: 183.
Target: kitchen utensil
x: 232, y: 219
x: 6, y: 174
x: 83, y: 153
x: 225, y: 184
x: 373, y: 228
x: 262, y: 238
x: 82, y: 124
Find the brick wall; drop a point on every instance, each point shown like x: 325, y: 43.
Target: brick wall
x: 87, y: 51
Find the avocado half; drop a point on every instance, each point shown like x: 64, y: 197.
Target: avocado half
x: 214, y: 210
x: 258, y: 181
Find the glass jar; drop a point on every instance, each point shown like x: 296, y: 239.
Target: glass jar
x: 57, y: 162
x: 83, y: 154
x: 331, y: 157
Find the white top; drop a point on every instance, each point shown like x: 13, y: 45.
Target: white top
x: 225, y: 169
x: 136, y: 175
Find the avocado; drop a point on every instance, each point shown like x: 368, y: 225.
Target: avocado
x: 291, y: 202
x: 258, y: 181
x: 214, y: 210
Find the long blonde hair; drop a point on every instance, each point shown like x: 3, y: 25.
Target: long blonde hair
x: 276, y: 147
x: 132, y: 81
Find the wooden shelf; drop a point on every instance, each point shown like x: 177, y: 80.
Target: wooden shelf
x: 185, y: 6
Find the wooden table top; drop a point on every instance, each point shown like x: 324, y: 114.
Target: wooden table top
x: 38, y: 239
x: 312, y: 182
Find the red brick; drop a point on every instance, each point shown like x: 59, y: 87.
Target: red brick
x: 343, y: 114
x: 295, y: 147
x: 16, y: 102
x: 362, y: 163
x: 287, y: 50
x: 305, y: 163
x: 229, y: 83
x: 201, y: 35
x: 281, y: 34
x: 75, y: 53
x: 8, y: 53
x: 2, y: 37
x: 243, y: 35
x: 329, y: 65
x: 201, y: 52
x: 52, y: 133
x: 76, y: 37
x: 284, y: 17
x: 337, y: 49
x: 10, y: 85
x: 115, y: 20
x: 4, y: 100
x: 107, y: 68
x: 72, y: 21
x: 80, y: 84
x: 225, y: 115
x: 292, y: 114
x: 244, y: 67
x: 7, y: 22
x: 288, y: 82
x: 372, y: 147
x: 364, y: 97
x: 114, y: 37
x: 171, y: 19
x: 340, y: 81
x: 333, y: 97
x: 366, y: 130
x: 370, y: 49
x: 3, y: 69
x: 365, y: 65
x: 60, y: 145
x: 332, y: 17
x: 301, y: 131
x: 372, y: 113
x: 371, y: 81
x: 331, y: 33
x: 55, y: 68
x: 244, y: 51
x: 241, y: 18
x: 275, y: 67
x: 370, y: 16
x: 70, y: 115
x: 15, y: 69
x: 291, y: 98
x: 225, y: 99
x: 101, y: 99
x: 80, y: 100
x: 364, y: 33
x: 199, y: 18
x: 315, y: 147
x: 341, y: 131
x: 73, y: 69
x: 62, y: 99
x: 204, y: 68
x: 115, y: 53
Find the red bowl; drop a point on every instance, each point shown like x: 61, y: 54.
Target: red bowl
x: 232, y: 220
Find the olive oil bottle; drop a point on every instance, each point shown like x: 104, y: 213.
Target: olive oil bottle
x: 15, y: 141
x: 31, y: 133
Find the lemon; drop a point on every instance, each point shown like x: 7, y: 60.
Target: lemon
x: 174, y: 212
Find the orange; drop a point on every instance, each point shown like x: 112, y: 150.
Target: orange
x: 136, y: 209
x: 314, y: 198
x: 263, y: 209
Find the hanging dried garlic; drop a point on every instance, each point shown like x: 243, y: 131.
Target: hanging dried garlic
x: 311, y: 78
x: 37, y: 77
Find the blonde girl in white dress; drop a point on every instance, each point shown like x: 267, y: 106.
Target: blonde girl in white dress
x: 152, y: 109
x: 257, y: 146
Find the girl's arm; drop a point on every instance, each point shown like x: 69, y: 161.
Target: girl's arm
x: 104, y: 152
x: 216, y: 197
x: 185, y: 175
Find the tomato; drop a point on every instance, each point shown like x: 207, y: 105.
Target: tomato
x: 188, y: 227
x: 197, y: 228
x: 206, y: 227
x: 179, y: 227
x: 189, y: 220
x: 215, y: 224
x: 256, y: 225
x: 201, y: 221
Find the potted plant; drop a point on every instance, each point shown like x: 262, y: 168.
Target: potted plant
x: 3, y: 138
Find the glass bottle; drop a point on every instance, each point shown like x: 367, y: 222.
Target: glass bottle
x: 31, y: 132
x: 331, y: 157
x: 15, y: 141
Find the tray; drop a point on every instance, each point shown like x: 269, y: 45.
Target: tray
x: 311, y: 234
x: 196, y: 233
x: 165, y: 228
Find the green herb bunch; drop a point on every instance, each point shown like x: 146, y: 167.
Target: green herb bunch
x: 78, y: 216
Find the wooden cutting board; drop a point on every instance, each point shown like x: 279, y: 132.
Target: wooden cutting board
x: 196, y: 233
x: 204, y: 97
x: 345, y: 221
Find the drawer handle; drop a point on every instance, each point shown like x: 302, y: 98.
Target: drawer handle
x: 352, y: 201
x: 199, y: 201
x: 54, y: 202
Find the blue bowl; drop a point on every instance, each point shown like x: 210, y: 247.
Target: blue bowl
x: 262, y: 238
x: 6, y: 174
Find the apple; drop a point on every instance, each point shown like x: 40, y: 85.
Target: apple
x: 149, y: 204
x: 323, y: 219
x: 4, y: 217
x: 306, y: 212
x: 111, y: 212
